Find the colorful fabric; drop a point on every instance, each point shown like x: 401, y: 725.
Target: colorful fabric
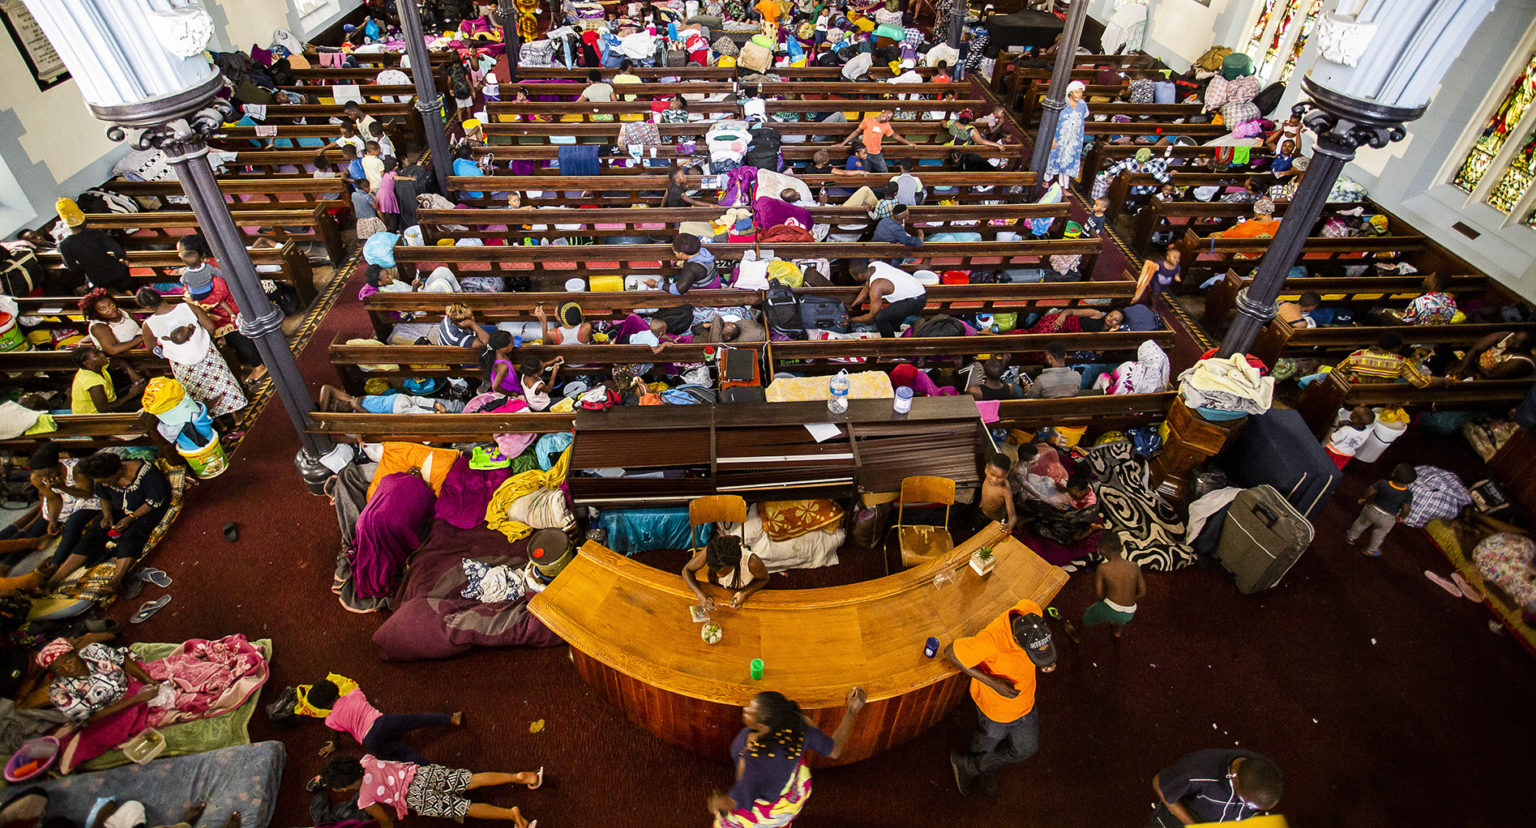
x: 1506, y: 559
x: 1373, y: 364
x: 780, y: 812
x: 386, y: 783
x: 788, y: 519
x: 302, y: 707
x: 203, y: 678
x: 105, y: 682
x: 1067, y: 150
x: 211, y: 383
x: 1437, y: 495
x: 498, y: 514
x: 1156, y: 167
x: 52, y: 651
x: 437, y: 791
x: 1431, y: 309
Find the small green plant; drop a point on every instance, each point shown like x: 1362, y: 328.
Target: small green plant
x: 984, y: 554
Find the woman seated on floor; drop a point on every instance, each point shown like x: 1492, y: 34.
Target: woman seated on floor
x: 109, y: 697
x: 133, y: 495
x: 726, y: 563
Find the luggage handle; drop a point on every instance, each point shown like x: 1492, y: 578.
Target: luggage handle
x: 1268, y: 514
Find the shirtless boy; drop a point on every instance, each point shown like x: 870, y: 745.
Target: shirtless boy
x: 996, y: 495
x: 1119, y: 585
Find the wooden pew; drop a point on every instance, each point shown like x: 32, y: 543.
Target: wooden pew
x: 1206, y: 257
x: 1119, y: 193
x: 443, y: 428
x: 1199, y: 132
x: 824, y: 135
x: 404, y: 113
x: 493, y: 308
x: 46, y: 370
x: 645, y: 186
x: 1277, y: 338
x: 840, y: 90
x: 891, y: 350
x: 165, y: 266
x: 1010, y: 153
x: 247, y: 192
x: 78, y: 432
x: 513, y: 109
x: 654, y: 259
x: 1100, y: 412
x: 627, y: 222
x: 166, y: 226
x: 690, y: 73
x: 1221, y: 299
x: 1322, y: 399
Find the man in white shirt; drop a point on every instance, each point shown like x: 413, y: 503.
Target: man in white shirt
x: 893, y: 295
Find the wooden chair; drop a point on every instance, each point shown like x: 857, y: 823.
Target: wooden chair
x: 920, y: 542
x: 717, y: 509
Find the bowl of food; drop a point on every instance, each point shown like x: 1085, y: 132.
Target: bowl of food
x: 711, y: 633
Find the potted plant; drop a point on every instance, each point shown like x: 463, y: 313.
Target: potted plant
x: 982, y: 560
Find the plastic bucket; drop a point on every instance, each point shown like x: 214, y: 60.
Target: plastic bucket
x: 44, y: 750
x: 206, y: 462
x: 11, y: 336
x: 1382, y: 434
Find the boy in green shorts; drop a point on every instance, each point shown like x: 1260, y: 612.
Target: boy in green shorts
x: 1119, y: 585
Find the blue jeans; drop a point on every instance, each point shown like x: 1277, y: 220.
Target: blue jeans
x: 875, y: 163
x: 995, y: 744
x: 386, y: 739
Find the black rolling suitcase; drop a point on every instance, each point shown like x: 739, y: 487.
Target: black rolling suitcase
x: 1263, y: 537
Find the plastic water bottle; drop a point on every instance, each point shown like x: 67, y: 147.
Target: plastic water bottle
x: 837, y: 399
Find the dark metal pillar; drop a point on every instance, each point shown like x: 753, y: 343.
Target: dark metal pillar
x: 506, y: 12
x: 1342, y: 125
x: 183, y: 139
x: 428, y: 102
x: 1056, y: 94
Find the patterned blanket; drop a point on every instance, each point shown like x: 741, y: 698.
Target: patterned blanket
x: 1151, y: 530
x: 788, y: 519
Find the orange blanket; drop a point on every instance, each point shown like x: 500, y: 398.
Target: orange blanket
x: 787, y: 519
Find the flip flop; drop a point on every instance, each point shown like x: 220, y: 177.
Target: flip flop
x: 155, y: 576
x: 132, y: 589
x: 1466, y: 587
x: 535, y: 786
x: 231, y: 532
x: 1444, y: 583
x: 150, y: 608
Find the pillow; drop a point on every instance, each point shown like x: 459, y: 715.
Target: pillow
x: 399, y: 457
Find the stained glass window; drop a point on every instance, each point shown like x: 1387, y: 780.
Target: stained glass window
x: 1301, y: 41
x: 1504, y: 120
x: 1256, y: 38
x: 1517, y: 178
x: 1269, y: 43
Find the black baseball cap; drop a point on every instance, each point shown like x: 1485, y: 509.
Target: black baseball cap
x: 1030, y: 630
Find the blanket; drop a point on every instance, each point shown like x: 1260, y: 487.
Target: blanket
x: 199, y: 735
x: 244, y: 778
x: 202, y: 678
x: 809, y: 550
x: 389, y: 529
x: 863, y: 385
x: 501, y: 515
x: 432, y: 619
x: 466, y: 492
x: 1151, y: 530
x: 788, y: 519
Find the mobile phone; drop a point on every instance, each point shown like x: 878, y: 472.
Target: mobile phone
x: 700, y: 615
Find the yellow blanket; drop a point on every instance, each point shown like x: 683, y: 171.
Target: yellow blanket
x: 519, y: 485
x: 864, y: 385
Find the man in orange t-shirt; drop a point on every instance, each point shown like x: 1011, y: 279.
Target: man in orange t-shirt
x: 875, y: 129
x: 1001, y: 661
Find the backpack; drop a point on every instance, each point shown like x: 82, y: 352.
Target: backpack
x: 781, y: 311
x: 941, y: 325
x: 679, y: 319
x: 763, y: 152
x: 20, y: 272
x: 823, y: 313
x: 1267, y: 100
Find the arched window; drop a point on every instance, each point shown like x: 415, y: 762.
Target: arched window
x: 1279, y: 35
x: 1505, y: 168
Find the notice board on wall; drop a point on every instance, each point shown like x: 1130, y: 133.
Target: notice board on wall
x: 48, y: 69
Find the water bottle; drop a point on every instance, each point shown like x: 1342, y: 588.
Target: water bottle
x: 837, y: 399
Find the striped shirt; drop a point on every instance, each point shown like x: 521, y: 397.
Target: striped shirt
x: 1373, y: 364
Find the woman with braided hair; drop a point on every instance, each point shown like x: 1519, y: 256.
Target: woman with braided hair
x: 724, y: 562
x: 772, y: 779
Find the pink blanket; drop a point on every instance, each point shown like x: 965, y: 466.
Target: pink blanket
x: 206, y: 678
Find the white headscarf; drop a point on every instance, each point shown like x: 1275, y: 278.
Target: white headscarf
x: 1147, y: 375
x: 1076, y: 86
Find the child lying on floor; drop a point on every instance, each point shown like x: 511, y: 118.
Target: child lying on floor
x: 341, y: 703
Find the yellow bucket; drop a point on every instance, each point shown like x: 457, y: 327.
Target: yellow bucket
x: 207, y: 462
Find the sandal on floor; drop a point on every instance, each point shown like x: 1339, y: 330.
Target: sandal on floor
x: 1444, y: 583
x: 158, y: 577
x: 231, y: 532
x: 150, y: 608
x: 535, y: 786
x: 1466, y: 588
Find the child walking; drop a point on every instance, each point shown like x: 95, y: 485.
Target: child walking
x: 1383, y: 507
x: 341, y: 703
x: 1350, y: 436
x: 1118, y: 584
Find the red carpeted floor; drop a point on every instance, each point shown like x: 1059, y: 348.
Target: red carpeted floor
x: 1385, y: 700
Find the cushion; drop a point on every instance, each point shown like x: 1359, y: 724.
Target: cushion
x: 434, y: 463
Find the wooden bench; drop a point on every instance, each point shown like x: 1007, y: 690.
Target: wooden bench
x: 435, y: 428
x: 1101, y: 412
x: 645, y: 186
x: 822, y: 135
x: 1221, y: 299
x: 493, y: 308
x: 48, y: 370
x: 1206, y: 257
x: 257, y: 222
x: 85, y: 431
x: 1119, y: 194
x: 1010, y: 153
x: 766, y: 90
x: 514, y: 110
x: 1321, y: 400
x: 1277, y: 338
x: 550, y: 266
x: 246, y: 192
x: 165, y: 266
x: 626, y: 222
x: 405, y: 113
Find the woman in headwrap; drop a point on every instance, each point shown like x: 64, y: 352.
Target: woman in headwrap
x: 183, y: 335
x: 92, y: 254
x: 112, y: 329
x: 1066, y: 158
x: 569, y: 327
x: 103, y: 692
x: 1147, y: 374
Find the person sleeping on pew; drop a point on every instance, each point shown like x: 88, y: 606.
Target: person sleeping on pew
x: 1093, y: 320
x: 1503, y: 355
x: 769, y: 212
x: 113, y: 329
x: 92, y: 390
x: 394, y: 402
